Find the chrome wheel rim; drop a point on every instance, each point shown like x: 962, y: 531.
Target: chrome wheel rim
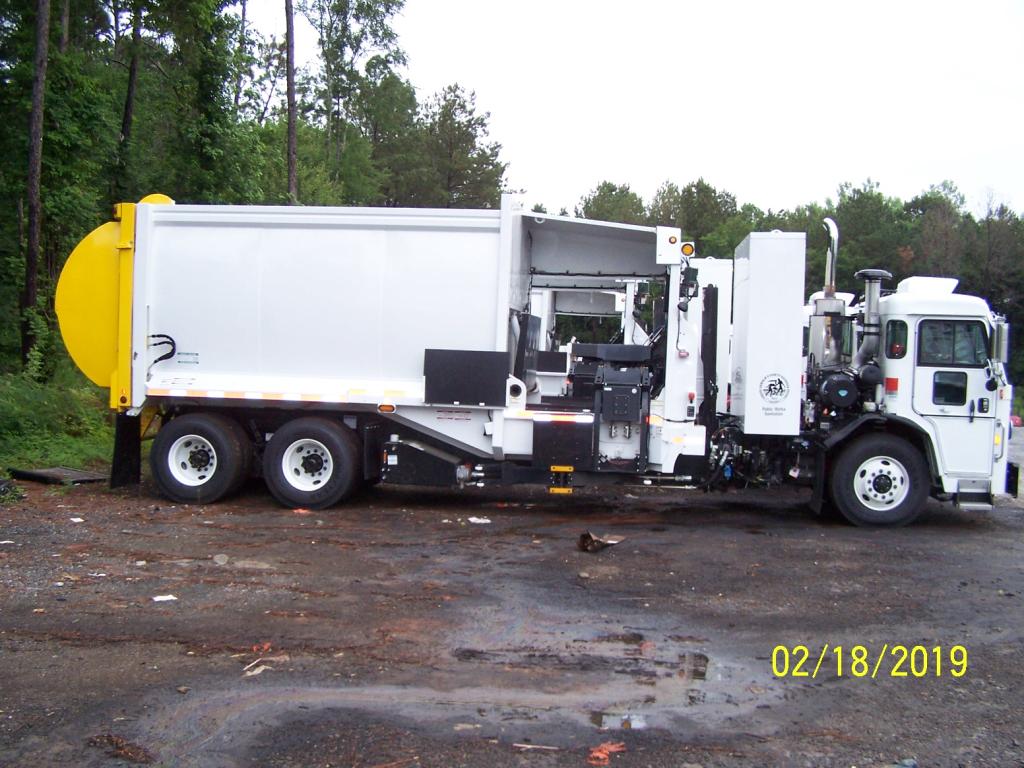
x: 306, y: 465
x: 192, y: 460
x: 881, y: 483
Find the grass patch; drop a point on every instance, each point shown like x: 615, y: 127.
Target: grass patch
x: 63, y: 422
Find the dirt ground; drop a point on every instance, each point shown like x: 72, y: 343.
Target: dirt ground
x: 395, y: 632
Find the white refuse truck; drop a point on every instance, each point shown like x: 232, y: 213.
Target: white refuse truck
x: 331, y: 348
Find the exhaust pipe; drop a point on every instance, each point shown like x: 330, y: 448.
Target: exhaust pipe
x: 830, y: 258
x: 872, y: 320
x: 824, y: 346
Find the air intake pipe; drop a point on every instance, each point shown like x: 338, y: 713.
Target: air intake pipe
x: 871, y: 318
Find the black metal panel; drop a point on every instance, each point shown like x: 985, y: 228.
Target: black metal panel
x: 563, y: 443
x: 406, y: 464
x: 1012, y: 478
x: 614, y: 353
x: 526, y: 350
x: 465, y: 377
x: 709, y: 359
x: 552, y: 361
x: 372, y: 433
x: 621, y: 404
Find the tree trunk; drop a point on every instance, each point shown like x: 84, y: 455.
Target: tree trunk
x: 29, y: 294
x: 241, y: 48
x: 118, y: 185
x: 65, y: 26
x: 293, y: 173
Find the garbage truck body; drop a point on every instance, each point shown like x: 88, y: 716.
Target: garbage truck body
x: 326, y: 349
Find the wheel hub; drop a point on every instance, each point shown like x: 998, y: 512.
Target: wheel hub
x: 199, y: 458
x: 312, y: 463
x: 882, y: 483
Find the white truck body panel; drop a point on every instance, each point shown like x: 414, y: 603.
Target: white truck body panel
x: 767, y: 332
x: 329, y: 303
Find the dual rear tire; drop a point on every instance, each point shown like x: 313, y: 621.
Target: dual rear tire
x: 312, y: 462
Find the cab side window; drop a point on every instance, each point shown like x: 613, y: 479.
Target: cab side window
x: 952, y: 343
x: 896, y: 339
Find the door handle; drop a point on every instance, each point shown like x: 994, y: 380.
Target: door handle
x: 970, y: 413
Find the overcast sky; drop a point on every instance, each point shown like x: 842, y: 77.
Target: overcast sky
x: 776, y: 102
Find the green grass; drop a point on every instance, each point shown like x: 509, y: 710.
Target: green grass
x: 63, y: 422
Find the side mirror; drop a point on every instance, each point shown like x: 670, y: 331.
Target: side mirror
x: 1001, y: 341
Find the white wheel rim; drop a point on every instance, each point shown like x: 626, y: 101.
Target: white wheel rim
x: 307, y: 465
x: 881, y: 483
x: 192, y: 460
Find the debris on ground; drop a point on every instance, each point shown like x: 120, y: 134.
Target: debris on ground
x: 256, y: 671
x: 527, y: 747
x: 183, y: 689
x: 480, y: 520
x: 601, y: 754
x: 6, y: 541
x: 220, y: 559
x: 77, y: 519
x: 10, y: 492
x: 122, y: 748
x: 590, y: 543
x: 163, y: 598
x: 57, y: 475
x: 302, y: 511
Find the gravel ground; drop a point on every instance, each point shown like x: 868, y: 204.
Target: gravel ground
x: 394, y: 632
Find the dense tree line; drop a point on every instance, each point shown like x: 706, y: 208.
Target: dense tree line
x: 110, y: 100
x: 931, y: 234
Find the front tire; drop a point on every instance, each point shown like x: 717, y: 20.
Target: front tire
x: 880, y: 480
x: 199, y: 458
x: 312, y: 462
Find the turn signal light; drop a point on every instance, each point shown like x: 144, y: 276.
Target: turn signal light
x: 687, y: 249
x: 387, y: 408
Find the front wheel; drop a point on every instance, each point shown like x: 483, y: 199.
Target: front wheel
x: 880, y: 480
x: 312, y: 462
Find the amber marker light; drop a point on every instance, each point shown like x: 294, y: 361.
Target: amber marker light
x: 687, y: 249
x: 387, y: 408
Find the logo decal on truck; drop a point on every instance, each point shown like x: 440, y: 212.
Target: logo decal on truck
x: 774, y: 388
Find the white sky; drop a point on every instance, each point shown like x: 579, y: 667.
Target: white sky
x: 776, y: 102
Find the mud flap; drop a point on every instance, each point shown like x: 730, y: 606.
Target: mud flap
x: 126, y: 466
x: 818, y: 492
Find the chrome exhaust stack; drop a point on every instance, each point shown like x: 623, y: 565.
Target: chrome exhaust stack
x: 830, y: 257
x: 825, y: 330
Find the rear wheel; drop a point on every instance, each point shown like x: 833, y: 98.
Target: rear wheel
x: 312, y: 462
x: 879, y: 480
x: 200, y: 458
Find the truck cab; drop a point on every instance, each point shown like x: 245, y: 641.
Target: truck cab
x: 943, y: 373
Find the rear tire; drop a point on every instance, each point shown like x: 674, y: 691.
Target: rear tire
x: 312, y: 462
x: 199, y: 458
x: 880, y: 480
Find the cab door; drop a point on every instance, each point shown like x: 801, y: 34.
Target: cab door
x: 950, y: 391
